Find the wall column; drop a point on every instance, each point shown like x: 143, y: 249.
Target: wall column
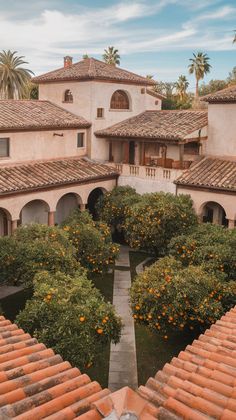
x: 82, y: 207
x: 14, y: 224
x: 142, y: 154
x: 231, y: 224
x: 51, y: 218
x: 181, y: 155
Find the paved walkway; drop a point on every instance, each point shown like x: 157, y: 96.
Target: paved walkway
x: 123, y: 362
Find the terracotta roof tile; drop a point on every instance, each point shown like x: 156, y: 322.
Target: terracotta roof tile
x: 167, y: 125
x: 92, y: 69
x: 21, y: 115
x: 35, y: 175
x: 210, y: 173
x: 199, y: 384
x: 225, y: 95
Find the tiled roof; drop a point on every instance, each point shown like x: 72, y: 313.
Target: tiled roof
x: 92, y: 69
x: 50, y: 173
x: 155, y: 94
x: 210, y: 173
x: 225, y: 95
x: 199, y: 384
x: 168, y: 125
x: 35, y: 115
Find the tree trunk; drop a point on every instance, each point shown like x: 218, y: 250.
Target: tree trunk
x: 196, y: 92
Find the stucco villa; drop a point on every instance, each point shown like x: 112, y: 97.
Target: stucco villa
x: 96, y: 125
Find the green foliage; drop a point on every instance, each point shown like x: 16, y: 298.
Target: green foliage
x: 92, y: 241
x: 114, y: 205
x: 14, y: 79
x: 168, y: 296
x: 156, y: 218
x: 212, y: 86
x: 34, y: 248
x: 211, y: 246
x: 70, y: 315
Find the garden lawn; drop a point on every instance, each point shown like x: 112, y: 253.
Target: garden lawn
x: 100, y: 369
x: 152, y: 350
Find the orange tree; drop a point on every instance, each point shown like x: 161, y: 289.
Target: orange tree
x: 33, y: 248
x: 113, y: 206
x: 156, y: 218
x: 168, y: 296
x: 211, y: 246
x: 91, y: 240
x: 70, y: 315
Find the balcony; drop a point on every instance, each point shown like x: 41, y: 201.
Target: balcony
x: 147, y: 172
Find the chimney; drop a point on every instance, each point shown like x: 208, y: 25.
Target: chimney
x: 68, y: 61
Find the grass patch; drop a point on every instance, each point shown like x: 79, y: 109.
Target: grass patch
x: 13, y: 304
x: 104, y: 283
x: 100, y: 370
x: 136, y: 257
x: 153, y: 351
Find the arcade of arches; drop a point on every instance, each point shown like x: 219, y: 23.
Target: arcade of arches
x: 40, y: 211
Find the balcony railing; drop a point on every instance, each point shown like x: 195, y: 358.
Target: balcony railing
x: 147, y: 172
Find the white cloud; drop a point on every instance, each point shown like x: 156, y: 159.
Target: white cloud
x: 47, y: 36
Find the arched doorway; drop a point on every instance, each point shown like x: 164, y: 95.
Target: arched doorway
x: 36, y: 211
x: 213, y: 212
x: 5, y: 221
x: 66, y: 205
x: 93, y: 199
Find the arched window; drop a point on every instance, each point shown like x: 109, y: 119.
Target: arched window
x: 68, y: 97
x: 119, y: 100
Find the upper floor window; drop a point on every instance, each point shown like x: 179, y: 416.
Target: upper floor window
x: 68, y: 97
x: 4, y: 147
x: 100, y: 112
x: 119, y: 100
x: 80, y: 140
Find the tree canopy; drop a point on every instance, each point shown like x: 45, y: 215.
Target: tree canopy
x: 14, y: 79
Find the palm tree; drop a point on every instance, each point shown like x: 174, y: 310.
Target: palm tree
x: 111, y: 56
x: 234, y: 40
x: 14, y: 80
x: 181, y: 87
x: 199, y: 67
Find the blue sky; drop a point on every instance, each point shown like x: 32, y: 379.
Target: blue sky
x: 154, y: 37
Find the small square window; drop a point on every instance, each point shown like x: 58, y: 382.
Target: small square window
x: 80, y: 140
x: 4, y: 147
x: 100, y: 112
x: 142, y: 91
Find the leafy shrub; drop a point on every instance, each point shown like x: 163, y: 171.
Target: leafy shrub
x: 92, y: 241
x: 211, y: 246
x: 156, y: 218
x: 33, y: 248
x: 70, y: 315
x: 114, y: 205
x: 168, y: 296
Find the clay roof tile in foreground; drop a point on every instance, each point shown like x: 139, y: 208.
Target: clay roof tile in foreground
x: 222, y: 96
x: 167, y: 125
x: 45, y: 174
x: 210, y: 173
x: 92, y: 69
x: 20, y: 115
x: 199, y: 384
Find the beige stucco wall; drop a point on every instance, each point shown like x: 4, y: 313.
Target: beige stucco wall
x: 200, y: 198
x: 43, y: 145
x: 88, y: 96
x: 221, y: 130
x: 14, y: 204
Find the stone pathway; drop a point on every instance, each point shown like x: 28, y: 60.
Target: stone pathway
x: 123, y: 362
x: 6, y: 290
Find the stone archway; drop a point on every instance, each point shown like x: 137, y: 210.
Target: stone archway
x: 5, y: 222
x: 35, y: 211
x: 65, y: 205
x: 213, y: 212
x: 92, y: 200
